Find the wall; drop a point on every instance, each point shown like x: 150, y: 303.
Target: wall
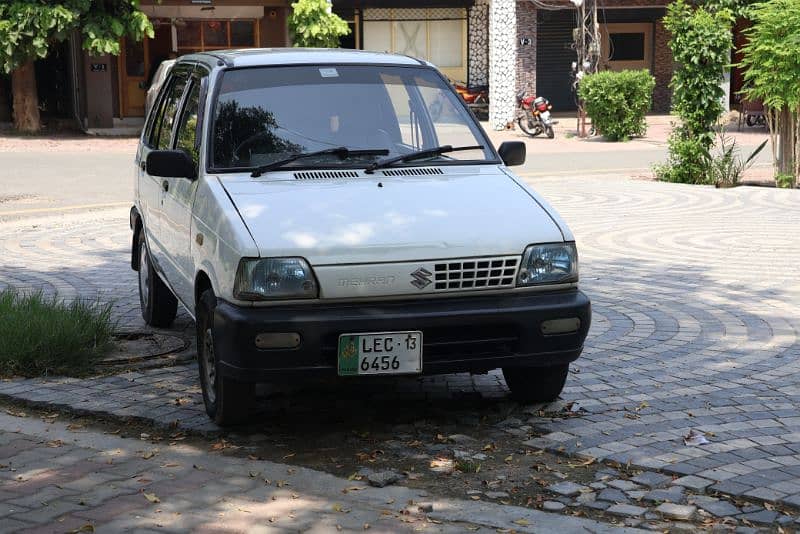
x: 526, y: 47
x: 478, y: 43
x: 662, y: 70
x: 273, y: 29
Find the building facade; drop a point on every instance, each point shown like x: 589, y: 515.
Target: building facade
x: 112, y: 89
x: 511, y: 45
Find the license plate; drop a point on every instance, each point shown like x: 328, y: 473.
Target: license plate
x: 380, y: 353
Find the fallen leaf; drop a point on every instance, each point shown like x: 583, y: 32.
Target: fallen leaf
x: 171, y: 464
x: 55, y: 443
x: 149, y: 454
x: 338, y: 508
x: 281, y: 483
x: 151, y: 497
x: 290, y: 455
x: 508, y: 458
x: 366, y: 526
x: 73, y: 426
x: 694, y: 439
x: 17, y: 413
x: 85, y: 528
x: 522, y: 522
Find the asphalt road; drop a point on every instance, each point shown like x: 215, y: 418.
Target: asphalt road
x: 37, y: 182
x: 41, y: 181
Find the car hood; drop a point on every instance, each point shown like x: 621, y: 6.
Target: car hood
x: 464, y: 212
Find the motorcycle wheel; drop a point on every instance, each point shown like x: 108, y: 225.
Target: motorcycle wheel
x: 549, y: 131
x: 528, y: 127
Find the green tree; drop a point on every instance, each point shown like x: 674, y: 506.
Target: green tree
x: 700, y: 43
x: 312, y: 24
x: 28, y: 28
x: 772, y: 63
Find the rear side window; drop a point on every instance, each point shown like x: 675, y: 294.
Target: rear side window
x: 187, y: 130
x: 160, y: 137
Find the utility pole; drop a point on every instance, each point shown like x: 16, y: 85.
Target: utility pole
x: 586, y: 40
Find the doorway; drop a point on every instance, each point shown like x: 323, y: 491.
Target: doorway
x: 137, y: 64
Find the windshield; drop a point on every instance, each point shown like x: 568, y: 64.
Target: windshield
x: 266, y: 114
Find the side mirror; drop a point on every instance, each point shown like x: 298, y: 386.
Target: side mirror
x: 512, y: 153
x: 171, y: 164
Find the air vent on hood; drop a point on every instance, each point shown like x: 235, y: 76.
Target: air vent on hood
x: 322, y: 175
x: 413, y: 172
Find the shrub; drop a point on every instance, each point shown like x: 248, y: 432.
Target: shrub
x: 42, y: 335
x: 700, y: 44
x: 313, y: 24
x: 618, y: 101
x: 784, y: 181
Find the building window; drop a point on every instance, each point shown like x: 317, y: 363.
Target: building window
x: 626, y: 46
x: 202, y: 35
x: 435, y: 34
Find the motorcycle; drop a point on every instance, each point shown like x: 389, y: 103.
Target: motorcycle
x: 534, y: 117
x: 476, y: 98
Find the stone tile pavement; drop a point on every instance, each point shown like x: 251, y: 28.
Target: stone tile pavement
x: 58, y: 478
x: 696, y: 306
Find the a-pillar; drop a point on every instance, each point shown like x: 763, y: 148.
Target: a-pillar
x: 502, y: 62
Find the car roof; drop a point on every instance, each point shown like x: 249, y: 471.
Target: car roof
x: 258, y: 57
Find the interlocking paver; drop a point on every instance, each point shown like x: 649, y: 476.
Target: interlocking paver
x: 682, y: 323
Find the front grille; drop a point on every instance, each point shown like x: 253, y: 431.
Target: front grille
x: 427, y: 171
x: 477, y: 273
x: 324, y: 175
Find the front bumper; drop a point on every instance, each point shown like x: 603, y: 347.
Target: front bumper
x: 460, y: 334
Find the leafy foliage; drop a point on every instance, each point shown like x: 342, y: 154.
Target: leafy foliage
x: 772, y: 63
x: 700, y: 44
x: 618, y: 101
x: 727, y: 167
x: 28, y: 27
x: 313, y: 25
x: 46, y: 335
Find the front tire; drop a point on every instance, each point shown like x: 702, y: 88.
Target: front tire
x: 227, y: 401
x: 159, y: 306
x: 527, y: 125
x: 536, y: 384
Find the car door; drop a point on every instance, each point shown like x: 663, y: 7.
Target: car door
x: 152, y: 187
x: 178, y: 195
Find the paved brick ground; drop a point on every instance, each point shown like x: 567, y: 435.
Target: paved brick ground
x: 696, y: 304
x: 56, y: 478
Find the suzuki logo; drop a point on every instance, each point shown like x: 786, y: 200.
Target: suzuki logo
x: 421, y: 278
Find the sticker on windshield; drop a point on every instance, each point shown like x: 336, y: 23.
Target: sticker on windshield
x: 329, y: 73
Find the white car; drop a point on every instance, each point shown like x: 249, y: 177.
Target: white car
x: 306, y: 209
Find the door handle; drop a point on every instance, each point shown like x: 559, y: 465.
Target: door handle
x: 165, y: 185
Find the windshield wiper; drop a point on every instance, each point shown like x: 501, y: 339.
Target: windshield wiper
x: 341, y: 151
x: 419, y: 154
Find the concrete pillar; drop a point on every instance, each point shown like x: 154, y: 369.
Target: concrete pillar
x: 99, y: 100
x: 502, y: 62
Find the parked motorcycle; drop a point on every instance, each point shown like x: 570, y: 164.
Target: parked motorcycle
x: 476, y: 98
x: 534, y: 117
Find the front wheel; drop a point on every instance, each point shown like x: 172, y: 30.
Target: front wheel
x: 529, y: 126
x: 227, y: 401
x: 536, y: 384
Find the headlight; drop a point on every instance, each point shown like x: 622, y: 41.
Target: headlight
x: 553, y: 263
x: 274, y: 278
